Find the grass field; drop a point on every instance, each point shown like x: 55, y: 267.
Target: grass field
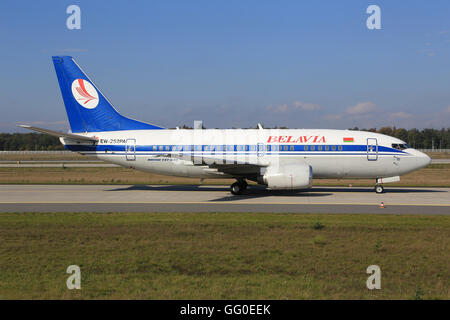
x: 435, y: 175
x: 223, y: 256
x: 439, y: 155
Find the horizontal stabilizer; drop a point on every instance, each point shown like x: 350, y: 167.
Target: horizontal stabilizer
x: 58, y: 134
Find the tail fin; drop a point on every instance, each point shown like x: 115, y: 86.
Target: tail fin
x: 87, y: 109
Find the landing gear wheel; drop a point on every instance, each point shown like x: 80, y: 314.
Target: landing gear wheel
x: 237, y: 188
x: 379, y: 189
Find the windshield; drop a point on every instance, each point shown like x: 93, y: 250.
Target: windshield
x: 400, y: 146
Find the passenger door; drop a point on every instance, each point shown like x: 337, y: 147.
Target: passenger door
x: 372, y: 149
x: 130, y: 150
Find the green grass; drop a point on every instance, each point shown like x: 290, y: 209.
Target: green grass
x: 223, y: 256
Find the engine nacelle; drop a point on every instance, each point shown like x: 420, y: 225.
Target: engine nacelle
x: 288, y: 177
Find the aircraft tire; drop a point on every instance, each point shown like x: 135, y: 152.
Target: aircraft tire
x: 237, y: 188
x: 379, y: 189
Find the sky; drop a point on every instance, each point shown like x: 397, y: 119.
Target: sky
x: 300, y: 64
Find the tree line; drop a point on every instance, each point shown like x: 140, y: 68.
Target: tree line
x: 29, y: 142
x: 418, y: 139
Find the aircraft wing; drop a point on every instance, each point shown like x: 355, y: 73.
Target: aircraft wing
x: 58, y: 134
x: 240, y: 166
x: 238, y: 169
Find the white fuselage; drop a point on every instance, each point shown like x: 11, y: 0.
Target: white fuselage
x: 330, y: 153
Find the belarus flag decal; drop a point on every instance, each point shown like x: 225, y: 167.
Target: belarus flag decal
x: 349, y: 140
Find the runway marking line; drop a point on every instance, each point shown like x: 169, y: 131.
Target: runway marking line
x: 226, y: 202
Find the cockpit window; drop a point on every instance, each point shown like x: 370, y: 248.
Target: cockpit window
x: 400, y: 146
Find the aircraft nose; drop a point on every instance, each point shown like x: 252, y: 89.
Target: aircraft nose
x: 422, y: 159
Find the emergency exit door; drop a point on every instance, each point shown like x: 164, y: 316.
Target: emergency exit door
x: 130, y: 150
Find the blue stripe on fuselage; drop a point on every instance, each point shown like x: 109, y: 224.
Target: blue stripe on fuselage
x: 270, y: 149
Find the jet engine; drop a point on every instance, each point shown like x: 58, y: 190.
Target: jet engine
x: 287, y: 177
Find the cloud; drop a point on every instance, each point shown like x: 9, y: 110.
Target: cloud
x: 400, y: 115
x: 361, y: 108
x: 306, y: 106
x: 428, y: 52
x: 297, y: 105
x: 332, y: 117
x: 281, y: 108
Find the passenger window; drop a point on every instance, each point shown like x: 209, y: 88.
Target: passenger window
x: 333, y: 148
x: 313, y: 148
x: 340, y: 148
x: 319, y: 148
x: 327, y: 148
x: 305, y: 148
x: 154, y: 148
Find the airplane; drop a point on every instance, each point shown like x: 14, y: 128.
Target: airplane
x: 280, y: 159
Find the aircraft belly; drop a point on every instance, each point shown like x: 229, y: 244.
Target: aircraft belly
x: 170, y: 166
x: 351, y: 167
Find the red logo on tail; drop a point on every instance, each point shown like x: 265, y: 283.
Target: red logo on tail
x: 85, y: 93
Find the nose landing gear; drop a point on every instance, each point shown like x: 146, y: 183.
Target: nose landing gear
x: 238, y: 187
x: 379, y: 188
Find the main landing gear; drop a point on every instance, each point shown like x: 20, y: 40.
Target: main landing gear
x: 379, y: 188
x: 238, y: 187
